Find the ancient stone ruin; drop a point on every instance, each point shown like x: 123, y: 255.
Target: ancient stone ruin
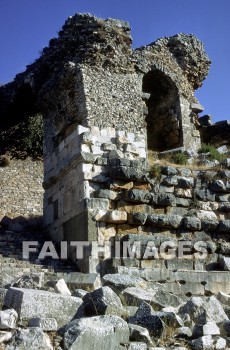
x: 160, y: 274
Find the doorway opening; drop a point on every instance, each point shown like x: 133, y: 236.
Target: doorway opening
x: 164, y: 115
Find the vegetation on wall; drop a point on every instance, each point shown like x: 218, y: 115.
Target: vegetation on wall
x: 24, y: 139
x: 212, y: 152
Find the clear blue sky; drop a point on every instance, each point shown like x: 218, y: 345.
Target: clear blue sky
x: 27, y: 25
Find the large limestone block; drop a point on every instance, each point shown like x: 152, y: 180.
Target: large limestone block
x: 30, y: 338
x: 30, y: 303
x: 201, y: 311
x: 99, y: 332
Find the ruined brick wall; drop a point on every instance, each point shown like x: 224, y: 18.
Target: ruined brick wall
x: 21, y: 189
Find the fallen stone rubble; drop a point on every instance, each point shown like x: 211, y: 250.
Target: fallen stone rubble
x: 114, y: 312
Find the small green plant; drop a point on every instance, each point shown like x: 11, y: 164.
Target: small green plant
x: 180, y: 158
x: 213, y: 154
x: 155, y: 171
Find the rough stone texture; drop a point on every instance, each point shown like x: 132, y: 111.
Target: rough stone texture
x: 30, y: 338
x: 31, y: 303
x: 61, y: 287
x: 202, y: 311
x: 103, y: 301
x: 86, y: 145
x: 46, y: 324
x: 21, y: 189
x: 8, y: 319
x: 108, y: 331
x: 138, y: 333
x: 120, y: 282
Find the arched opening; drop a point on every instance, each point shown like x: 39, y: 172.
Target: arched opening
x: 164, y: 115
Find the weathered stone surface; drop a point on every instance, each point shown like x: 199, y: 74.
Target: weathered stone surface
x: 170, y: 180
x: 30, y: 338
x: 8, y: 319
x: 61, y: 287
x: 46, y: 324
x: 86, y: 281
x: 145, y: 309
x: 102, y: 301
x: 136, y: 295
x: 119, y: 281
x: 184, y: 332
x: 205, y: 342
x: 138, y: 196
x: 185, y: 182
x: 137, y: 218
x: 3, y: 292
x: 138, y: 333
x: 203, y: 311
x: 192, y: 223
x: 223, y: 298
x: 33, y: 280
x: 5, y: 336
x: 79, y: 293
x: 108, y: 331
x: 137, y: 346
x: 224, y: 262
x: 224, y: 226
x: 169, y: 170
x: 209, y: 328
x: 170, y: 221
x: 218, y: 186
x: 153, y: 323
x: 206, y: 215
x: 30, y: 303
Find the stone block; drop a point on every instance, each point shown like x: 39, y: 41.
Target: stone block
x: 183, y: 193
x: 209, y: 328
x: 206, y: 215
x: 30, y: 338
x: 224, y: 226
x: 179, y: 264
x: 192, y: 223
x: 119, y: 282
x: 108, y: 331
x: 117, y: 217
x: 121, y: 185
x: 46, y: 324
x: 170, y: 221
x: 87, y: 281
x: 31, y: 303
x: 97, y: 203
x: 169, y: 170
x: 137, y: 218
x: 102, y: 301
x: 125, y: 229
x: 138, y: 333
x: 61, y: 287
x: 138, y: 196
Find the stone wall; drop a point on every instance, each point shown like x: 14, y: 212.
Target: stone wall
x: 21, y: 189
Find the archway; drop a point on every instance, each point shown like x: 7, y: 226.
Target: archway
x: 164, y: 115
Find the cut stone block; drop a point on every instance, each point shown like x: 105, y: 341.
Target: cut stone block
x: 102, y: 301
x: 108, y: 331
x: 30, y: 338
x: 86, y: 281
x: 31, y: 303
